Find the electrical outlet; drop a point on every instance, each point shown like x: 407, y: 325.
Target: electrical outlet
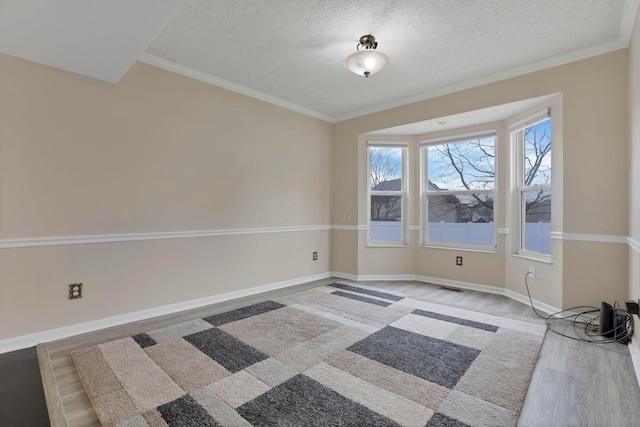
x: 315, y: 256
x: 75, y: 290
x: 459, y: 260
x: 532, y: 271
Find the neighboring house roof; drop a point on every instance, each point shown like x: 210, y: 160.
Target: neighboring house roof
x: 392, y: 185
x: 396, y: 185
x: 444, y: 205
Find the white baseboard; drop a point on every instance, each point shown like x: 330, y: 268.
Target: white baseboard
x: 347, y: 276
x: 31, y: 340
x: 452, y: 284
x: 539, y: 305
x: 389, y: 277
x: 26, y: 341
x: 462, y: 285
x: 634, y: 349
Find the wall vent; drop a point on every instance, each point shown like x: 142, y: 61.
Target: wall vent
x: 446, y: 288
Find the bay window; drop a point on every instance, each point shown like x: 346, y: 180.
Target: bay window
x: 458, y: 191
x: 387, y: 193
x: 532, y: 139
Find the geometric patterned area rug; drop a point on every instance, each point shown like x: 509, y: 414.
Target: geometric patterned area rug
x: 336, y: 355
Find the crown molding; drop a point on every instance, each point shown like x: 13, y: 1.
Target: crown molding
x: 184, y: 70
x: 630, y: 10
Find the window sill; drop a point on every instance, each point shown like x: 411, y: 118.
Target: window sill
x: 462, y: 248
x: 387, y: 245
x: 531, y: 257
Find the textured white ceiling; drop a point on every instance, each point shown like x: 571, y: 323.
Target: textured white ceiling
x: 291, y: 52
x: 294, y: 50
x: 96, y: 38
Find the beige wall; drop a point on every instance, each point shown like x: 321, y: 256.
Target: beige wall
x: 156, y: 152
x: 634, y: 143
x: 102, y: 158
x: 634, y: 132
x: 344, y: 252
x: 159, y: 152
x: 126, y: 277
x: 595, y: 151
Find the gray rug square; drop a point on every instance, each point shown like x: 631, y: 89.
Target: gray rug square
x: 456, y: 320
x: 144, y: 340
x: 228, y: 351
x: 362, y: 298
x: 243, y: 313
x: 434, y: 360
x: 441, y: 420
x: 365, y: 291
x: 302, y: 401
x: 185, y: 412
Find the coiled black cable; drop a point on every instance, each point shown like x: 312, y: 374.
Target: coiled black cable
x: 589, y: 328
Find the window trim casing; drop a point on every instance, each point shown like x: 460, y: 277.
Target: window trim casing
x: 516, y: 131
x: 424, y: 193
x: 404, y: 145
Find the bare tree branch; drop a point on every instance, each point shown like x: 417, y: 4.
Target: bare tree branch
x: 470, y: 165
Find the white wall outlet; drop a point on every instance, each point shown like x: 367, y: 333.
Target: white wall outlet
x: 532, y: 271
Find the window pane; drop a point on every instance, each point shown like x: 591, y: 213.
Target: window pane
x: 386, y: 215
x: 385, y: 168
x: 461, y: 219
x: 537, y: 230
x: 537, y: 154
x: 466, y: 165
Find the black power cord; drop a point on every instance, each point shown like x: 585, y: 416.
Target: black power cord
x: 585, y: 327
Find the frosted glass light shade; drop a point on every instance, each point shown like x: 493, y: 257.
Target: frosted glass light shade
x: 366, y: 62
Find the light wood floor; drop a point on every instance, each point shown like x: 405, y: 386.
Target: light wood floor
x: 574, y: 383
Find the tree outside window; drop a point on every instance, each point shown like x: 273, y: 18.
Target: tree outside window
x: 386, y: 193
x: 459, y: 191
x: 534, y: 176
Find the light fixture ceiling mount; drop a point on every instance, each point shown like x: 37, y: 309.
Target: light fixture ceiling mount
x: 369, y: 60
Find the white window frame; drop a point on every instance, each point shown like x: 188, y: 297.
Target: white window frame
x: 402, y: 193
x: 517, y: 137
x: 425, y: 193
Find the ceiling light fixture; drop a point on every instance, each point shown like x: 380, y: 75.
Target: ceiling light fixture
x: 368, y: 61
